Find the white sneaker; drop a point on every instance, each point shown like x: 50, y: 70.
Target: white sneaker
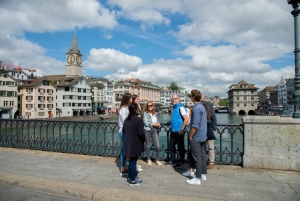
x: 138, y: 166
x: 149, y: 162
x: 203, y: 177
x: 139, y: 169
x: 158, y: 163
x: 194, y: 181
x: 188, y: 173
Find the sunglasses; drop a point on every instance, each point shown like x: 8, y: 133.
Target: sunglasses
x: 149, y: 105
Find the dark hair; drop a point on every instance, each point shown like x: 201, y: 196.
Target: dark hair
x: 196, y: 94
x: 208, y: 112
x: 134, y: 96
x: 132, y: 110
x: 125, y: 100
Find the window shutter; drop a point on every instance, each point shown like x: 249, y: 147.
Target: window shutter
x: 52, y: 105
x: 39, y: 90
x: 31, y: 105
x: 31, y: 97
x: 63, y: 96
x: 26, y: 89
x: 26, y: 97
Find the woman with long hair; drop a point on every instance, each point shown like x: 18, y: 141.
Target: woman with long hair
x: 151, y: 125
x: 136, y: 99
x: 123, y: 113
x: 133, y: 130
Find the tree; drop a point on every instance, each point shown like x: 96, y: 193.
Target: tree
x: 174, y: 86
x: 223, y: 102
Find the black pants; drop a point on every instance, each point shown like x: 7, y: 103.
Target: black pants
x: 176, y: 139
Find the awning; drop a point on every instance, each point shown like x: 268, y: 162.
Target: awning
x: 75, y: 110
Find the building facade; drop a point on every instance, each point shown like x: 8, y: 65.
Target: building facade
x: 282, y: 92
x: 145, y: 90
x: 265, y: 96
x: 37, y: 99
x: 242, y: 98
x: 166, y: 97
x: 8, y: 95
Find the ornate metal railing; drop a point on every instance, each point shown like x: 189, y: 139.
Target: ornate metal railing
x: 102, y: 138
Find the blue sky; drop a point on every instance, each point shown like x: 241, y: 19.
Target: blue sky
x: 195, y: 43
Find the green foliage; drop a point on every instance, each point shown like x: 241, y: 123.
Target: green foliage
x: 223, y: 102
x: 173, y: 86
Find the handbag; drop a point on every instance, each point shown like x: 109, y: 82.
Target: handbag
x: 210, y: 133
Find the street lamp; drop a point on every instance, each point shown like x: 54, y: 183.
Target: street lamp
x: 295, y: 106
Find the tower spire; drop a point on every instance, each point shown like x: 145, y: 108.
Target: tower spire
x: 74, y: 47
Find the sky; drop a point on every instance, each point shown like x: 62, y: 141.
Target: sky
x: 199, y: 44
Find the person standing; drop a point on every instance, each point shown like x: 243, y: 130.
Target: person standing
x: 133, y: 130
x: 179, y: 120
x: 123, y: 113
x: 197, y: 137
x: 151, y: 126
x: 213, y: 124
x: 136, y: 99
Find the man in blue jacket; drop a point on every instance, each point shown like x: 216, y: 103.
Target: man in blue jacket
x: 179, y: 120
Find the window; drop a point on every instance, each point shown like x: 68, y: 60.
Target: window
x: 3, y: 93
x: 29, y: 106
x: 245, y: 104
x: 27, y: 114
x: 245, y: 97
x: 67, y: 88
x: 11, y: 103
x: 41, y: 106
x: 29, y: 98
x: 49, y: 106
x: 5, y: 103
x: 41, y: 114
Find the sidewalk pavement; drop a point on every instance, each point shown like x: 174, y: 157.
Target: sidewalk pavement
x: 97, y: 178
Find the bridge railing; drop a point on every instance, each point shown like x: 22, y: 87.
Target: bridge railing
x: 102, y: 138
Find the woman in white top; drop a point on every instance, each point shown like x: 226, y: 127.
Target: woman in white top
x: 123, y: 113
x: 151, y: 125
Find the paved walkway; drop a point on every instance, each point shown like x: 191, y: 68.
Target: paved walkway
x: 97, y: 178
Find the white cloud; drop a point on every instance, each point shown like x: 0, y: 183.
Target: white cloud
x: 55, y: 15
x: 149, y: 13
x: 21, y: 52
x: 111, y: 60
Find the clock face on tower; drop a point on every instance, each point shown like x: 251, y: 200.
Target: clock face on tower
x: 78, y: 60
x: 70, y: 59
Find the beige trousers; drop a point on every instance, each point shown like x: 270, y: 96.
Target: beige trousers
x: 211, y: 150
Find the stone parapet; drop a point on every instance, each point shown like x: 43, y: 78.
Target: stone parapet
x: 271, y: 142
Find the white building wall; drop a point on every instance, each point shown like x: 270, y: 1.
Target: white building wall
x: 65, y: 103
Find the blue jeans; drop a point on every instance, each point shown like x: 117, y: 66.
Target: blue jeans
x: 122, y: 157
x: 132, y: 168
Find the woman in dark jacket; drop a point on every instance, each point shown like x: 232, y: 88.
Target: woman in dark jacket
x: 133, y: 129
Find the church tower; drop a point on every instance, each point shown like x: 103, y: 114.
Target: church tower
x: 74, y: 60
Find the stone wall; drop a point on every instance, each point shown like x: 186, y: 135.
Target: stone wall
x: 271, y: 142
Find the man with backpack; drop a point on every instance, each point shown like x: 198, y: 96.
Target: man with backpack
x: 179, y: 120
